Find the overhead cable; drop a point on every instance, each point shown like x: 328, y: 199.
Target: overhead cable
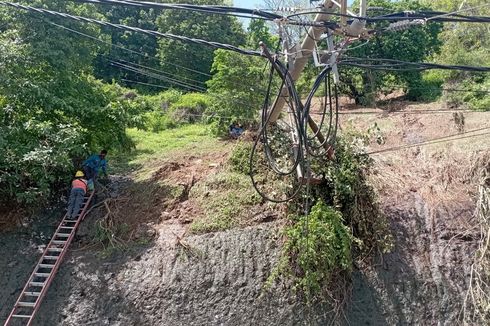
x: 181, y: 38
x: 159, y: 71
x: 399, y: 65
x: 190, y: 7
x: 209, y: 9
x: 157, y: 76
x: 449, y: 138
x: 125, y: 48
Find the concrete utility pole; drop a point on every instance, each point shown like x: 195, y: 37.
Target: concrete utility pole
x: 309, y: 43
x: 302, y: 58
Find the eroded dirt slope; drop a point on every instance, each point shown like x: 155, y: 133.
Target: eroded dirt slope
x: 427, y: 191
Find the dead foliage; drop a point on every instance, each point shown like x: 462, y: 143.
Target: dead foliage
x: 476, y: 306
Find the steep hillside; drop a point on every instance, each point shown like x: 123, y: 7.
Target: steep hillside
x: 188, y: 242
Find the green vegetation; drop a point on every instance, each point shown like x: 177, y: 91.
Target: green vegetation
x: 237, y: 82
x: 343, y: 226
x: 416, y: 44
x: 319, y: 250
x: 219, y: 28
x: 464, y: 44
x: 61, y: 97
x: 157, y: 147
x: 225, y: 198
x: 240, y: 158
x: 54, y: 108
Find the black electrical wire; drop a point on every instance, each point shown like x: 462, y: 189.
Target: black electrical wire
x: 212, y: 44
x: 326, y: 102
x: 138, y: 53
x: 442, y: 139
x: 398, y: 65
x: 209, y: 9
x: 288, y: 82
x: 156, y: 76
x: 300, y: 115
x: 145, y: 55
x: 256, y: 13
x: 182, y: 79
x: 252, y: 13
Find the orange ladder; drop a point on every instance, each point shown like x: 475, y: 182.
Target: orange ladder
x: 30, y: 298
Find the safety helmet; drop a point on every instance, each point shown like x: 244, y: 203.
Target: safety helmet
x: 79, y: 174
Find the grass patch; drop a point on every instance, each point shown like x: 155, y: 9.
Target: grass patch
x: 225, y: 198
x: 159, y: 146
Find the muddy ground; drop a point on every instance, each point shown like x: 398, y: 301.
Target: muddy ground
x: 218, y: 278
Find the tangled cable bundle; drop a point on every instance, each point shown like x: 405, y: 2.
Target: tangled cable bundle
x: 304, y: 144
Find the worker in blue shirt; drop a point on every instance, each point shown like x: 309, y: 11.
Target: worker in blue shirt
x: 94, y: 163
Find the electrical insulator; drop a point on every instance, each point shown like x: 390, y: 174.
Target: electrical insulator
x: 404, y: 24
x: 356, y: 27
x: 287, y: 9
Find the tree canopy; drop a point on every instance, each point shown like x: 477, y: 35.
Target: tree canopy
x: 64, y: 85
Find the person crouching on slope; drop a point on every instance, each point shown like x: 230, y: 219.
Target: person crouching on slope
x: 77, y: 193
x: 95, y: 162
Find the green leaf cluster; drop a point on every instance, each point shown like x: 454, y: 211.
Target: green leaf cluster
x: 319, y: 248
x: 417, y: 44
x: 465, y: 44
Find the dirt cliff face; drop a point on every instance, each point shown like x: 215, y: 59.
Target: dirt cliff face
x: 218, y: 278
x: 424, y: 280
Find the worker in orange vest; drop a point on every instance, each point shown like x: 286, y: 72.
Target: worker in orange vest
x: 78, y: 191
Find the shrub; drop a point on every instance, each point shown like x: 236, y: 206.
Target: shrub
x: 345, y: 224
x: 189, y: 108
x: 158, y: 121
x: 235, y: 88
x: 476, y: 98
x: 319, y: 247
x: 164, y: 100
x: 240, y: 158
x: 35, y: 157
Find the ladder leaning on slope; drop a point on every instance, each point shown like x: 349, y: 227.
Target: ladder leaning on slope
x: 36, y: 287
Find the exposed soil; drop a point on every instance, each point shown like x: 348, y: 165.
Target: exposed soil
x: 178, y: 278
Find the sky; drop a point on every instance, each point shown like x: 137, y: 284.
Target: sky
x: 248, y: 3
x: 253, y: 4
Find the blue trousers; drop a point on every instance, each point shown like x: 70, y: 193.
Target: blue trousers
x: 75, y: 202
x: 90, y: 173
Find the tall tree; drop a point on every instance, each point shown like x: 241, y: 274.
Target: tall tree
x: 465, y: 44
x: 211, y: 27
x: 415, y: 44
x: 51, y: 109
x: 130, y: 47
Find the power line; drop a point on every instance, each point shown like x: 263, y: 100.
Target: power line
x: 399, y: 65
x: 141, y: 54
x: 174, y: 37
x: 209, y: 75
x: 434, y: 141
x: 442, y: 89
x: 252, y: 13
x: 165, y: 73
x: 405, y: 112
x: 126, y: 49
x: 395, y: 65
x: 209, y: 9
x: 157, y: 76
x: 426, y: 16
x: 256, y: 13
